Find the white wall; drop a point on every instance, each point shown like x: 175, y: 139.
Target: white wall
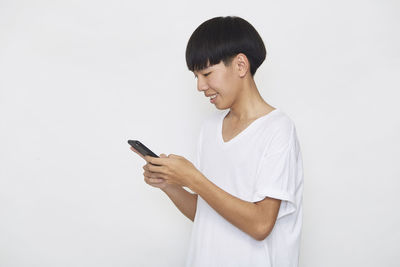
x: 79, y: 78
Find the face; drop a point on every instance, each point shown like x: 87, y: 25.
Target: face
x: 221, y: 80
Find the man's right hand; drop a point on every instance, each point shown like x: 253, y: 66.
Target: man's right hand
x: 151, y: 177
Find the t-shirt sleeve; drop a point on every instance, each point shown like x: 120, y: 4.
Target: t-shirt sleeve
x: 277, y: 172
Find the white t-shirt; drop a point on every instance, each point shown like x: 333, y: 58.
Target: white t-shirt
x: 262, y: 160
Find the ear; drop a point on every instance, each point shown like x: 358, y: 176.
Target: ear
x: 242, y: 64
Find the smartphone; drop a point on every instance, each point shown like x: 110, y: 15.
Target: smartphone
x: 142, y: 149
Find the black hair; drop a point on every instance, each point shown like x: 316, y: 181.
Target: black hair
x: 222, y: 38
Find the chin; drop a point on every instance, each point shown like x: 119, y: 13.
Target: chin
x: 221, y: 108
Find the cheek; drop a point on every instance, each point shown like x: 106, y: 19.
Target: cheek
x: 224, y: 88
x: 219, y: 84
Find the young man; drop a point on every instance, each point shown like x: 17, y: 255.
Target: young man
x: 248, y: 176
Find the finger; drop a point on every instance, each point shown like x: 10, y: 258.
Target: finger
x: 137, y: 152
x: 156, y: 180
x: 163, y: 156
x: 153, y: 180
x: 152, y: 174
x: 154, y: 168
x: 154, y: 160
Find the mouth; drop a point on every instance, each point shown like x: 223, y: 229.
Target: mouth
x: 213, y: 98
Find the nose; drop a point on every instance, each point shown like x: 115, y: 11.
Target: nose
x: 201, y: 84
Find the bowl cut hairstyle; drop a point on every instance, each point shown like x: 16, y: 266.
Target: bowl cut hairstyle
x: 222, y: 38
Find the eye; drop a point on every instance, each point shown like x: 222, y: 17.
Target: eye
x: 205, y: 75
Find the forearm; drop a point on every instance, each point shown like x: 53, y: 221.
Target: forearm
x: 185, y: 201
x: 240, y: 213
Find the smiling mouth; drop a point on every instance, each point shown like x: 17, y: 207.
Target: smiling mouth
x: 212, y: 98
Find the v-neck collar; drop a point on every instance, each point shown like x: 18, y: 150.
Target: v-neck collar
x: 243, y: 132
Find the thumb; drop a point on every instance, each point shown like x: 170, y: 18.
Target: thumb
x: 163, y: 155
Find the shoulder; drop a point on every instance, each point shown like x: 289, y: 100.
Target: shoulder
x: 282, y: 131
x: 280, y: 124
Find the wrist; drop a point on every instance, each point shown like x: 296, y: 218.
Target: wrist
x: 170, y: 187
x: 196, y: 182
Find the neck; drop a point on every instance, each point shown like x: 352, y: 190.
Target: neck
x: 249, y: 104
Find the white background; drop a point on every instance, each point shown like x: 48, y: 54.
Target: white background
x: 80, y: 78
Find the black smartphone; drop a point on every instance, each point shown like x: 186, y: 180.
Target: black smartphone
x: 142, y: 149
